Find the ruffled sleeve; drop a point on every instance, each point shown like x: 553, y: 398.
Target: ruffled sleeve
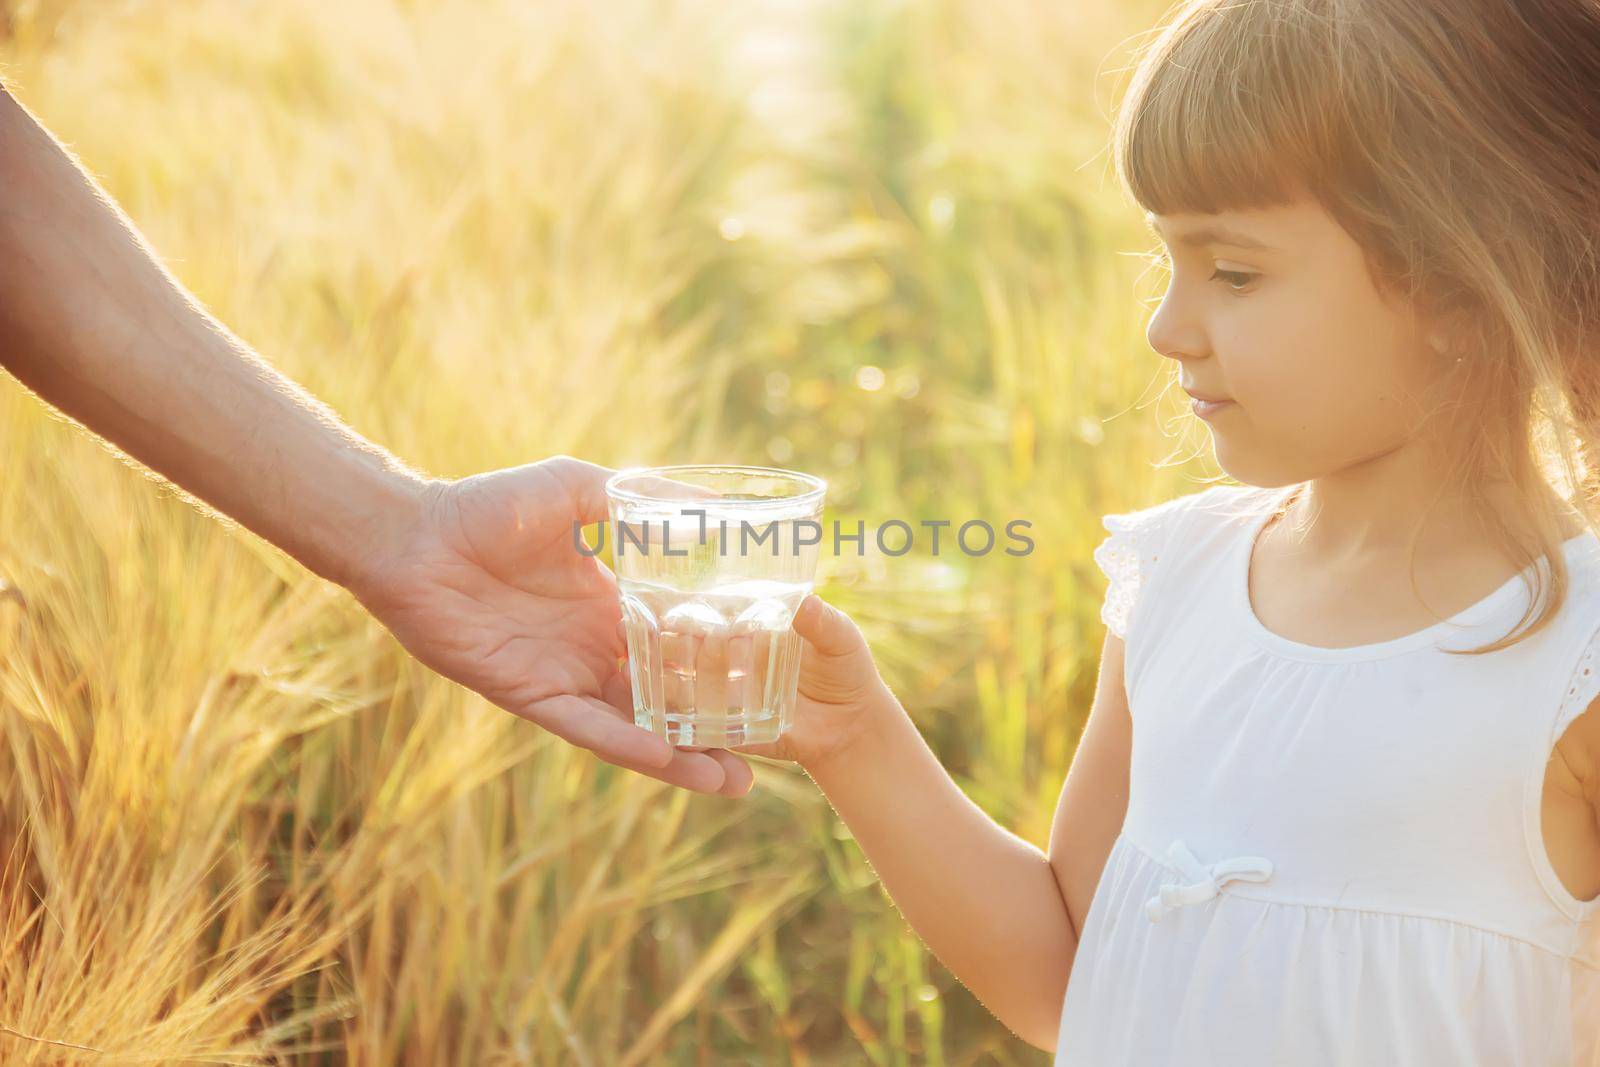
x: 1129, y: 558
x: 1582, y: 688
x: 1583, y: 682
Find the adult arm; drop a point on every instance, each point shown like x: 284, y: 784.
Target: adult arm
x: 477, y: 577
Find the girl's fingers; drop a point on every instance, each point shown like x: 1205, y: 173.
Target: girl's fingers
x: 825, y: 627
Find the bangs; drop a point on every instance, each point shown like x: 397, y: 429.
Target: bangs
x: 1233, y: 107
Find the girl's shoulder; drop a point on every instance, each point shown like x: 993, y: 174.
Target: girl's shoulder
x: 1154, y: 527
x: 1143, y: 544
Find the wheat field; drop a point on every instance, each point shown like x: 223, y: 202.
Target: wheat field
x: 875, y: 240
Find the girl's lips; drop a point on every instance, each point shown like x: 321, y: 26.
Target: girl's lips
x: 1207, y: 408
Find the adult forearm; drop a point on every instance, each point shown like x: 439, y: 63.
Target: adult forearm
x: 94, y: 324
x: 983, y: 900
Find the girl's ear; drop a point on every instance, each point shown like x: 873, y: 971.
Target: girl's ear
x: 1455, y: 320
x: 1448, y: 330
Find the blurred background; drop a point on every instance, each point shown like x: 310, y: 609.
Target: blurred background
x: 879, y: 241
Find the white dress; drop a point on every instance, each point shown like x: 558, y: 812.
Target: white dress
x: 1331, y: 856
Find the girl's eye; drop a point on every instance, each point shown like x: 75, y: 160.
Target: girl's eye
x: 1235, y: 280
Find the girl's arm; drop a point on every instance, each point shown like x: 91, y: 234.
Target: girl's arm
x: 992, y: 907
x: 1094, y: 800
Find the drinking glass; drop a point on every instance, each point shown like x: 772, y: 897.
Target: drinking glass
x: 713, y: 562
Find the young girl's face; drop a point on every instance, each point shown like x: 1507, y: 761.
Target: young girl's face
x: 1274, y: 310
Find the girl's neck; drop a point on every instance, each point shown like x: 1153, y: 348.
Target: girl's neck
x: 1344, y: 519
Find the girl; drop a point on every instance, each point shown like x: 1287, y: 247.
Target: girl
x: 1336, y: 801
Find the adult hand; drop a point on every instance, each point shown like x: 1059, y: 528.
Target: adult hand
x: 488, y: 588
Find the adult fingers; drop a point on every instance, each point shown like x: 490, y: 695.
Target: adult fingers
x: 585, y: 483
x: 694, y: 771
x: 617, y: 691
x: 737, y: 777
x: 598, y: 727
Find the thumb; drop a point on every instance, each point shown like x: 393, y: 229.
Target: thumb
x: 829, y: 630
x: 585, y: 484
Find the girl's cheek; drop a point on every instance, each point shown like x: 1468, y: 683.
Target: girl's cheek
x: 1264, y: 365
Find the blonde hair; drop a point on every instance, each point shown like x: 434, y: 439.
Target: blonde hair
x: 1459, y: 144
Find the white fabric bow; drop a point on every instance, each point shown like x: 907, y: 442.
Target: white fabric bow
x: 1204, y: 882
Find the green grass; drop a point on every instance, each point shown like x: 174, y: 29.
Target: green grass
x: 876, y: 241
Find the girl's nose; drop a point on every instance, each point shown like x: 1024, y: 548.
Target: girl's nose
x: 1174, y: 333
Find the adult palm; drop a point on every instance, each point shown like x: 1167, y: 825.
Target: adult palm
x: 489, y: 589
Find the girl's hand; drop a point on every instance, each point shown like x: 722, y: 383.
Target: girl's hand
x: 841, y: 696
